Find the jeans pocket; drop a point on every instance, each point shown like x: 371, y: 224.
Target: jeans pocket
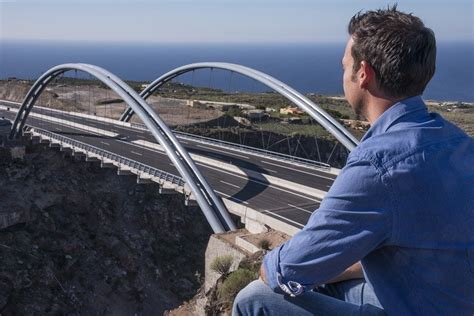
x: 470, y: 258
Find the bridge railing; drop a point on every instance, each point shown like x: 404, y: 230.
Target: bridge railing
x: 154, y: 172
x: 246, y: 149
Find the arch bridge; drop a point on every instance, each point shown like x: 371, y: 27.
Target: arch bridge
x: 316, y: 112
x: 210, y: 203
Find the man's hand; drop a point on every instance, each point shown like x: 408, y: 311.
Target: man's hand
x: 353, y: 272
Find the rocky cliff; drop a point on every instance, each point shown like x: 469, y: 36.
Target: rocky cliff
x: 91, y: 242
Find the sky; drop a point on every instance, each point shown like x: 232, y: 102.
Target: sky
x: 215, y: 21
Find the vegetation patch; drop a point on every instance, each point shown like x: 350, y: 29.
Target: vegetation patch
x: 264, y: 244
x: 109, y: 101
x: 235, y: 282
x: 222, y: 264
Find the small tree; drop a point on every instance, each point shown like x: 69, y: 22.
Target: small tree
x: 236, y: 281
x: 222, y: 264
x: 264, y: 244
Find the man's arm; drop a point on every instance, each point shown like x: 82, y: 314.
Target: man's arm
x: 354, y: 219
x: 353, y: 272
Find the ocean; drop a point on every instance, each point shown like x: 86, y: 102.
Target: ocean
x: 309, y: 68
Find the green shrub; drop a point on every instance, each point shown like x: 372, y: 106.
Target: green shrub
x: 264, y: 244
x: 235, y: 282
x: 222, y: 264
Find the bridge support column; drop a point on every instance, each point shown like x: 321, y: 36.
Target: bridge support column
x: 66, y: 149
x: 92, y: 158
x: 107, y: 164
x: 254, y: 227
x: 54, y: 144
x: 143, y: 179
x: 124, y: 171
x: 189, y: 200
x: 35, y: 139
x: 78, y: 155
x: 164, y: 189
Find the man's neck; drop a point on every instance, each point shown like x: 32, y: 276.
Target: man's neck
x: 376, y: 106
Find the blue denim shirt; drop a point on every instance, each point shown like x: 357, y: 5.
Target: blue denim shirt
x: 404, y: 206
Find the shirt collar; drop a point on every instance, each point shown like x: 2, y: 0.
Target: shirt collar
x: 395, y: 112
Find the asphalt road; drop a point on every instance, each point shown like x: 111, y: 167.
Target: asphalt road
x: 287, y: 204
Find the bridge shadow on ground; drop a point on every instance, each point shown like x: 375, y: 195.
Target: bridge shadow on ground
x: 253, y: 186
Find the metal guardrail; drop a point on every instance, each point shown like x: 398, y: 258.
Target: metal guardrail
x: 243, y: 148
x: 163, y: 175
x: 246, y: 149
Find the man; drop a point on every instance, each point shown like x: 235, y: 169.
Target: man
x: 403, y: 206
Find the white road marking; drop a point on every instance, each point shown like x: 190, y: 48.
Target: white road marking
x: 143, y: 147
x: 222, y: 151
x: 232, y: 198
x: 220, y: 170
x: 292, y: 169
x: 259, y: 182
x: 299, y: 208
x: 105, y: 143
x: 266, y: 184
x: 272, y: 170
x: 232, y: 185
x: 134, y: 152
x: 287, y: 219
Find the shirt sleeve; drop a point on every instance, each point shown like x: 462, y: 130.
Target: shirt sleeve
x: 354, y: 219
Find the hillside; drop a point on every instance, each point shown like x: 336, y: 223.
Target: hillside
x: 91, y: 242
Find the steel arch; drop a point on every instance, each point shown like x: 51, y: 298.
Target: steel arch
x: 211, y: 205
x: 318, y: 114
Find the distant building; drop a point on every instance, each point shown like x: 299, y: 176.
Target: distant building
x: 255, y: 114
x: 291, y: 111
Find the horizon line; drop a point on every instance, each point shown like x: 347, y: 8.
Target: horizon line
x: 257, y: 43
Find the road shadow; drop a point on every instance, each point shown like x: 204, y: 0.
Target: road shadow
x: 254, y: 185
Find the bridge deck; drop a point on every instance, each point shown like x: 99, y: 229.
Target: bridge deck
x: 280, y: 191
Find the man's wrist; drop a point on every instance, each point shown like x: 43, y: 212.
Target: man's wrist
x: 262, y: 274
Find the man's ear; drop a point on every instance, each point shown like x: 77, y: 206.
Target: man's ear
x: 366, y: 74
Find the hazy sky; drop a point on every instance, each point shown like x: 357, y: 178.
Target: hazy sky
x: 256, y: 21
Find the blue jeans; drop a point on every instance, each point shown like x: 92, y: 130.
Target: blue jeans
x: 352, y: 297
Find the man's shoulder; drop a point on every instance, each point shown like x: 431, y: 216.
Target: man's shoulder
x: 409, y: 142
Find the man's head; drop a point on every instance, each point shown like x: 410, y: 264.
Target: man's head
x: 395, y: 49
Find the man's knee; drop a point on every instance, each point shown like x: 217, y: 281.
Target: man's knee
x: 249, y: 300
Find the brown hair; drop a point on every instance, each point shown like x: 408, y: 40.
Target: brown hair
x: 398, y: 46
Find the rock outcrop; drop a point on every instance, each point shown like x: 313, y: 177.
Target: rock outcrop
x: 93, y: 242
